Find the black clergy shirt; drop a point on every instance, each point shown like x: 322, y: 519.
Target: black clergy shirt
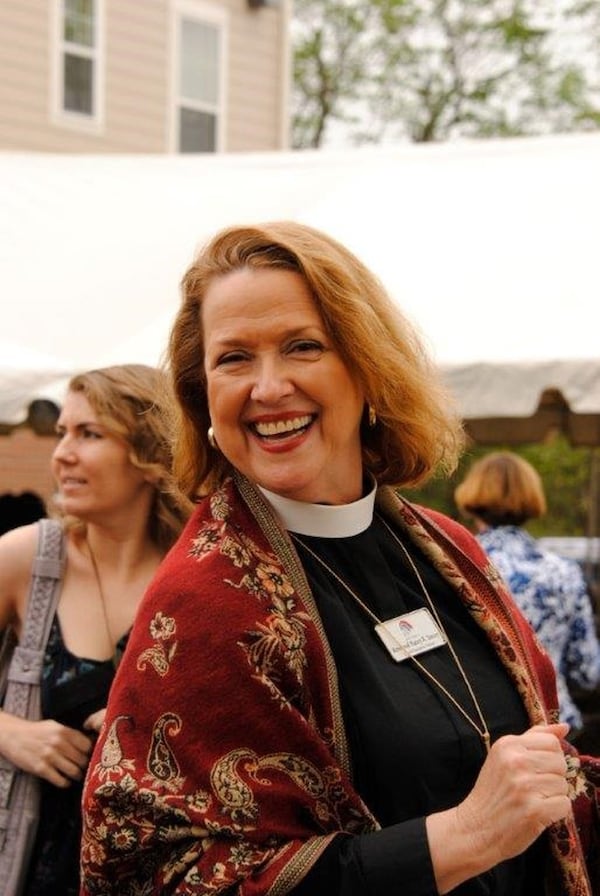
x: 412, y: 751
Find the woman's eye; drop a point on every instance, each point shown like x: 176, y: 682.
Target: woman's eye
x: 80, y: 433
x: 230, y: 358
x: 306, y: 347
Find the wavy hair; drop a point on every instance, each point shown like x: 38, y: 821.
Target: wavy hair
x: 418, y: 429
x: 135, y: 403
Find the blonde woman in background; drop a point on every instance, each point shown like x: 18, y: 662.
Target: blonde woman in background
x: 501, y: 493
x: 121, y: 512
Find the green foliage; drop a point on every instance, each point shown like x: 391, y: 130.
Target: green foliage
x: 571, y: 87
x: 437, y: 69
x: 565, y: 473
x: 330, y: 65
x: 516, y: 29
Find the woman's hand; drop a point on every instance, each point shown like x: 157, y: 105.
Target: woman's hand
x: 94, y: 722
x: 46, y: 748
x: 521, y: 790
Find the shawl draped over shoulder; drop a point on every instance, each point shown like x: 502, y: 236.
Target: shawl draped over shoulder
x: 223, y: 765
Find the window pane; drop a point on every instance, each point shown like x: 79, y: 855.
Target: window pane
x: 78, y: 78
x: 199, y: 61
x: 197, y: 131
x: 79, y: 22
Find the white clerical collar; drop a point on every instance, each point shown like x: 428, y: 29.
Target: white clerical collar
x: 323, y: 520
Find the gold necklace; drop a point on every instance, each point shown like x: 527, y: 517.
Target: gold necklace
x: 109, y: 634
x: 482, y: 729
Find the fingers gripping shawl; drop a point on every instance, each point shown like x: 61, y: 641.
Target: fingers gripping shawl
x: 453, y: 550
x: 223, y: 765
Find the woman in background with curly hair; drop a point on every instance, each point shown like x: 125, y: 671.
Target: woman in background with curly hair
x: 121, y: 511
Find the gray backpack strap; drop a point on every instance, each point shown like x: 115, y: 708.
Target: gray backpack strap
x: 22, y: 696
x: 43, y: 596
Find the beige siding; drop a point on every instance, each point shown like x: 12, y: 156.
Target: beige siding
x: 138, y: 69
x: 136, y: 74
x: 24, y: 72
x: 255, y: 89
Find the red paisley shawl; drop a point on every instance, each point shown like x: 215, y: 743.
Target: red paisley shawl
x: 223, y: 765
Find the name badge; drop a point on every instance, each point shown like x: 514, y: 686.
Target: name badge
x: 410, y: 634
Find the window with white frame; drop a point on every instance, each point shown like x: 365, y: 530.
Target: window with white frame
x: 199, y: 82
x: 78, y: 66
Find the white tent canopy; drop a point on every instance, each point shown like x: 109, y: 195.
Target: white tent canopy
x: 24, y: 374
x: 489, y: 247
x: 518, y: 402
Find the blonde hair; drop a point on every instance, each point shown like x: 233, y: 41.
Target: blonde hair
x: 417, y: 427
x: 501, y: 489
x: 135, y: 402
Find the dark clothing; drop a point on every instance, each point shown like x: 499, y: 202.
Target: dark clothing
x: 72, y: 688
x: 400, y: 780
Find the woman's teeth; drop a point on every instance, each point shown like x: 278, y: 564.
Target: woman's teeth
x: 281, y: 427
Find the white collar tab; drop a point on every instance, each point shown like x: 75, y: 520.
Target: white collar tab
x: 324, y: 520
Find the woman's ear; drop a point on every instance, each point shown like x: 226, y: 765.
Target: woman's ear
x: 152, y: 477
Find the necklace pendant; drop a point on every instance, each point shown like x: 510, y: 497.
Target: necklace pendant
x: 413, y: 633
x: 410, y: 634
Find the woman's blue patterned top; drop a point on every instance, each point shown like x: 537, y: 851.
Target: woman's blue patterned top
x: 552, y: 594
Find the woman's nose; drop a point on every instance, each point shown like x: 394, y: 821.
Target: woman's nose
x: 64, y: 450
x: 272, y: 381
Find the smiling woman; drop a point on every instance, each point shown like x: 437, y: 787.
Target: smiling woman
x: 286, y: 410
x: 120, y: 511
x: 326, y: 689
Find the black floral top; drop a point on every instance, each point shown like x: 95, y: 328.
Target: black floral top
x: 72, y: 688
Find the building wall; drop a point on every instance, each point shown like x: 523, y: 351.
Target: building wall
x: 139, y: 77
x: 138, y: 82
x: 259, y: 79
x: 25, y: 463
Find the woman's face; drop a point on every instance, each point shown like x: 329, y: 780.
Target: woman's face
x: 285, y: 408
x: 91, y: 466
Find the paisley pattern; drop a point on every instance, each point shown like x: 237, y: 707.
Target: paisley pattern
x: 162, y: 763
x: 238, y: 797
x: 192, y: 792
x: 112, y: 760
